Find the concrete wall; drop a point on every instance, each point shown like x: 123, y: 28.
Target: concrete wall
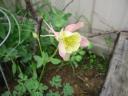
x: 106, y: 15
x: 112, y: 12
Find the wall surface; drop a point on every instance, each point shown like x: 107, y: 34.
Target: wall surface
x: 111, y: 12
x: 103, y: 15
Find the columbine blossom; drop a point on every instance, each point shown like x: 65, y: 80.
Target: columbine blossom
x: 70, y: 41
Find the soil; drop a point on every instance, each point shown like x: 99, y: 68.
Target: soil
x: 84, y: 82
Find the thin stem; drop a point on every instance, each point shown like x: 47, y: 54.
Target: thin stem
x: 60, y: 66
x: 42, y: 73
x: 9, y: 24
x: 49, y: 26
x: 5, y: 80
x: 47, y: 35
x: 67, y: 5
x: 18, y: 26
x: 73, y: 69
x: 39, y: 45
x: 54, y: 53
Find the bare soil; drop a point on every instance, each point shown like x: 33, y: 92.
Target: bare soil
x: 84, y: 82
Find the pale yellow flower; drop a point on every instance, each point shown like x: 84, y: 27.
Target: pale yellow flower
x: 70, y: 41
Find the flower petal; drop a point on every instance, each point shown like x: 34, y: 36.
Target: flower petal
x: 62, y: 52
x: 56, y: 35
x: 73, y: 27
x: 72, y: 43
x: 63, y: 34
x: 54, y: 32
x: 84, y: 42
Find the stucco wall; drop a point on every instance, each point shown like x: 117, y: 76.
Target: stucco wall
x: 106, y: 15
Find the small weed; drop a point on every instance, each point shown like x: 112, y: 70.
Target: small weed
x: 95, y: 62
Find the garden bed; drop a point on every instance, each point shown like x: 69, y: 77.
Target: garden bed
x: 85, y: 80
x: 38, y: 61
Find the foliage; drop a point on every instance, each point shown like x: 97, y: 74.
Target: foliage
x: 29, y: 56
x: 21, y: 54
x: 28, y: 86
x: 56, y: 81
x: 41, y: 61
x: 95, y: 62
x: 53, y: 94
x: 77, y: 57
x: 32, y: 87
x: 68, y: 90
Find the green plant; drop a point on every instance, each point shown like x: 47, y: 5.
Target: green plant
x: 68, y: 90
x: 29, y: 52
x: 53, y: 94
x: 27, y: 86
x: 95, y: 62
x: 56, y: 81
x: 77, y: 57
x: 18, y: 49
x: 65, y: 89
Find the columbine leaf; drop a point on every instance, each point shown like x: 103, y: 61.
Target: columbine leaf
x: 90, y: 46
x: 78, y: 58
x: 68, y: 90
x: 14, y: 67
x: 56, y: 81
x: 55, y: 61
x: 53, y: 94
x: 45, y: 57
x: 39, y: 61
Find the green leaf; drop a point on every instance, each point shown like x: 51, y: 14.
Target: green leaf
x: 2, y: 31
x: 19, y: 90
x: 11, y: 53
x: 67, y: 15
x: 6, y: 93
x: 32, y: 84
x: 33, y: 67
x: 23, y: 77
x: 55, y: 61
x: 45, y: 58
x: 36, y: 94
x: 14, y: 68
x: 78, y: 58
x: 90, y: 46
x: 68, y: 90
x: 81, y: 52
x: 53, y: 94
x: 56, y: 81
x: 39, y: 61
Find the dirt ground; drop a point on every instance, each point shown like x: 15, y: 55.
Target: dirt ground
x: 84, y: 82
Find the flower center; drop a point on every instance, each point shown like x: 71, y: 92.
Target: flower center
x: 72, y: 42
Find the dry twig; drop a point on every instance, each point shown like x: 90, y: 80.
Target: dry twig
x: 38, y: 20
x: 67, y: 5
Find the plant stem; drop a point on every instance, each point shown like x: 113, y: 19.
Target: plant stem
x: 42, y: 73
x: 47, y: 35
x: 59, y: 67
x: 54, y: 53
x: 73, y: 69
x: 5, y: 80
x: 39, y: 45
